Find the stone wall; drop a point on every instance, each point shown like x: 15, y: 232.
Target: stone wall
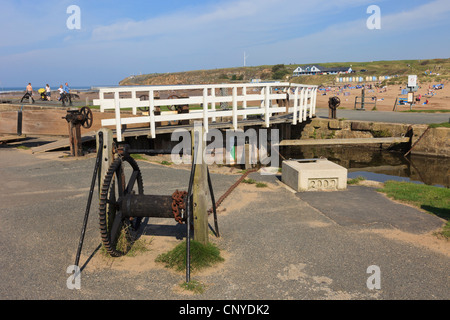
x: 435, y: 142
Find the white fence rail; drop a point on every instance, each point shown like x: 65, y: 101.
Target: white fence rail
x: 209, y: 97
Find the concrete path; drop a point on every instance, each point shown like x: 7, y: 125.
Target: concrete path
x: 361, y: 206
x: 276, y: 244
x: 385, y: 116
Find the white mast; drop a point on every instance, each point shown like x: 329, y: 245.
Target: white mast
x: 245, y: 59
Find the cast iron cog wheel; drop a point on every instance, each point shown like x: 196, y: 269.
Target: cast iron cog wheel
x: 115, y: 187
x: 88, y: 118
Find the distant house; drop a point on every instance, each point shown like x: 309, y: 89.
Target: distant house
x: 338, y: 70
x: 308, y: 70
x: 318, y: 69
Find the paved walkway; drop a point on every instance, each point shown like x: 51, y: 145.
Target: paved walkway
x: 386, y: 116
x: 277, y: 244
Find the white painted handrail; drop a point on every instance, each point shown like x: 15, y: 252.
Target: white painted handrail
x: 304, y: 103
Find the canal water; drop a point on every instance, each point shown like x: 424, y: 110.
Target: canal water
x: 376, y: 164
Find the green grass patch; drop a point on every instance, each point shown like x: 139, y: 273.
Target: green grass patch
x: 440, y: 125
x: 257, y: 183
x: 139, y: 246
x: 261, y: 185
x: 194, y: 286
x: 132, y: 249
x: 428, y: 111
x: 356, y: 180
x: 166, y: 163
x: 23, y: 148
x: 137, y: 156
x: 381, y: 133
x: 331, y: 135
x: 249, y: 181
x: 202, y: 256
x: 432, y: 199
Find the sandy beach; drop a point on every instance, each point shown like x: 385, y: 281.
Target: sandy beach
x: 385, y: 97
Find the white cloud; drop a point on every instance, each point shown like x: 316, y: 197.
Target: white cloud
x: 421, y: 17
x: 270, y: 31
x: 400, y: 37
x: 239, y: 15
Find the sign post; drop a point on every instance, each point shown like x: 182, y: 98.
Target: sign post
x: 412, y: 81
x: 412, y: 86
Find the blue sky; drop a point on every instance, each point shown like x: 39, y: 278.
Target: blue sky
x: 122, y: 38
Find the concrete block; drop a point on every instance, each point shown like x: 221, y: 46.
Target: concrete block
x: 362, y: 126
x: 335, y: 125
x: 314, y: 175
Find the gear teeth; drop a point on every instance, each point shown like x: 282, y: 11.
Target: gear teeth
x: 116, y: 166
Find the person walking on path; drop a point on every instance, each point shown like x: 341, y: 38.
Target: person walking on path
x: 29, y: 89
x: 28, y: 93
x: 61, y: 92
x: 66, y: 94
x: 48, y: 92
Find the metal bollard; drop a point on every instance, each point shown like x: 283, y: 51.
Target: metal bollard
x: 19, y: 122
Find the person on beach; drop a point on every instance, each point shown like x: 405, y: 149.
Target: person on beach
x: 28, y: 94
x: 29, y: 89
x: 418, y: 98
x: 61, y: 92
x: 67, y: 93
x: 48, y: 92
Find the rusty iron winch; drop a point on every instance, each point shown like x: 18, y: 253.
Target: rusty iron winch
x: 123, y: 204
x: 77, y: 118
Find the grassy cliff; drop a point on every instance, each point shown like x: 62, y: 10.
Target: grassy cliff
x: 401, y: 68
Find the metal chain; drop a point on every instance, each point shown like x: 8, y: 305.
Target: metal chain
x: 228, y: 192
x: 178, y: 198
x: 178, y: 205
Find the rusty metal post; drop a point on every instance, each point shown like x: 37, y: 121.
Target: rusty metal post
x: 71, y: 139
x: 75, y: 119
x: 91, y: 193
x: 333, y: 104
x: 76, y: 149
x: 77, y: 140
x: 19, y: 121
